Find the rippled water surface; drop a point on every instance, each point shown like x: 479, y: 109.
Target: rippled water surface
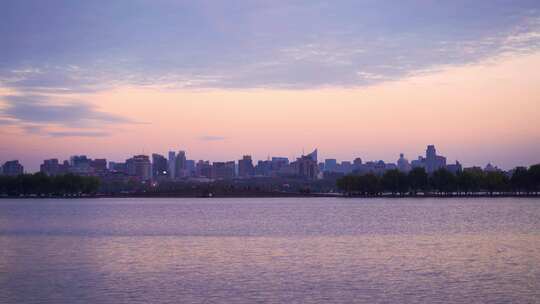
x: 286, y: 250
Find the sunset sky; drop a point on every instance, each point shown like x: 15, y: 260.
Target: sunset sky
x: 220, y: 79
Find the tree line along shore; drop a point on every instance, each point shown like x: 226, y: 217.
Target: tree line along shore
x: 522, y: 181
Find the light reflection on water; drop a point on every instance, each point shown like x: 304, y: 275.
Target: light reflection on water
x: 270, y: 251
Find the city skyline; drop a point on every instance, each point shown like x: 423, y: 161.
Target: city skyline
x: 352, y: 78
x: 35, y: 166
x: 172, y: 162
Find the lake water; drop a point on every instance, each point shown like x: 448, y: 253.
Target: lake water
x: 285, y: 250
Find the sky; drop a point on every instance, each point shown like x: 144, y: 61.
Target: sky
x: 220, y: 79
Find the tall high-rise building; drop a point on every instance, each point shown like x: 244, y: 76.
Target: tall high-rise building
x: 231, y: 168
x: 180, y: 164
x: 313, y: 155
x: 160, y: 167
x: 306, y: 166
x: 172, y: 164
x: 245, y: 166
x: 142, y: 167
x: 433, y: 162
x: 190, y: 167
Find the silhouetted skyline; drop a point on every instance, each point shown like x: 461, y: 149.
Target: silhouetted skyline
x: 178, y: 164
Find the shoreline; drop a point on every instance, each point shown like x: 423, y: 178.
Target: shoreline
x: 278, y: 195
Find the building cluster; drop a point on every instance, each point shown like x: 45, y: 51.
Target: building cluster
x: 431, y: 163
x: 176, y: 166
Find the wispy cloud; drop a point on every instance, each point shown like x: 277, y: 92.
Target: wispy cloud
x: 4, y: 121
x: 78, y: 134
x: 38, y: 114
x: 211, y: 138
x: 42, y: 109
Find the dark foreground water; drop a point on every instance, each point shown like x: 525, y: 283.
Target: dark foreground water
x: 286, y: 250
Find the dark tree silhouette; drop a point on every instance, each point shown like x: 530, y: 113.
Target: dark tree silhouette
x: 534, y: 178
x: 418, y: 180
x: 469, y: 181
x: 443, y: 181
x: 395, y: 182
x: 39, y: 184
x: 495, y: 181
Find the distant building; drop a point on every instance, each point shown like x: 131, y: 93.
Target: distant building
x: 419, y: 163
x: 80, y: 165
x: 491, y: 168
x: 12, y: 168
x: 279, y: 163
x: 280, y: 160
x: 286, y: 171
x: 403, y: 164
x: 474, y: 169
x: 64, y: 167
x: 264, y: 168
x: 190, y: 167
x: 373, y: 167
x: 330, y: 165
x: 180, y: 165
x: 172, y: 164
x: 118, y: 167
x: 345, y: 167
x: 203, y: 169
x: 223, y: 170
x: 357, y: 164
x: 245, y: 167
x: 390, y: 166
x: 50, y: 167
x: 455, y: 168
x: 99, y: 165
x: 231, y: 167
x: 313, y: 155
x: 434, y: 162
x: 139, y: 166
x: 160, y: 166
x: 306, y: 166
